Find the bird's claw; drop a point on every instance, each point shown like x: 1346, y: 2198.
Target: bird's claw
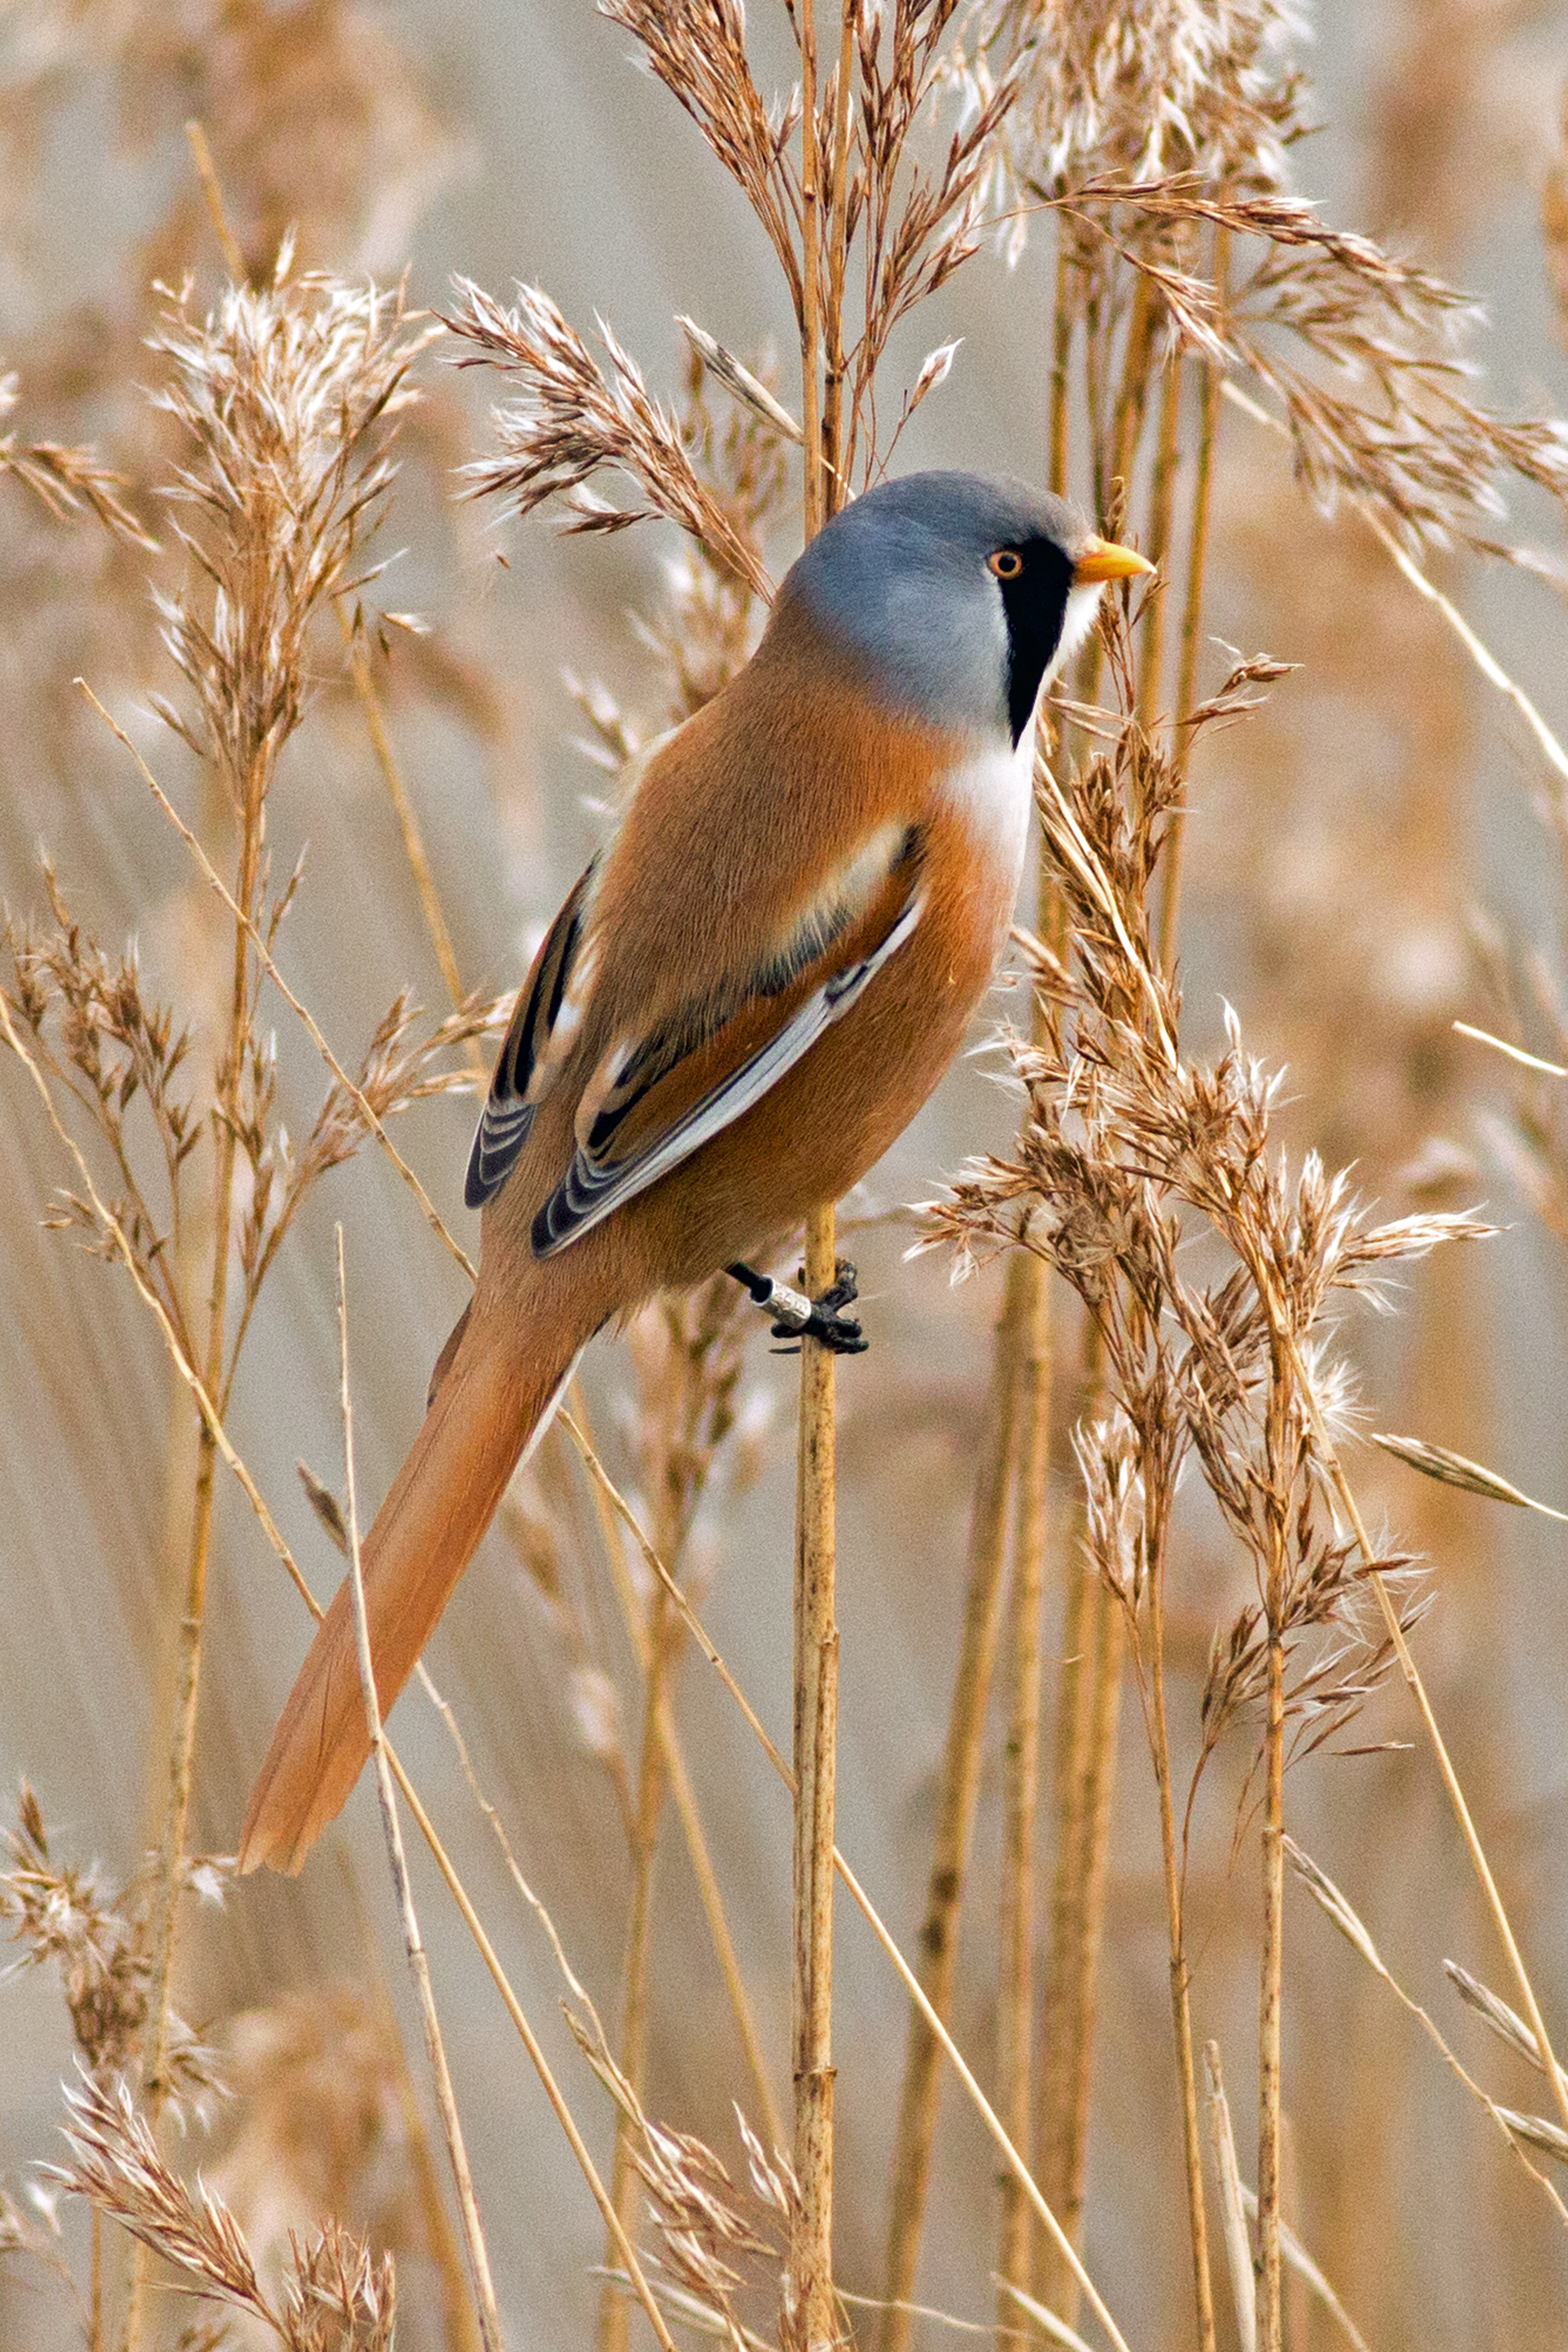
x: 799, y: 1316
x: 826, y: 1322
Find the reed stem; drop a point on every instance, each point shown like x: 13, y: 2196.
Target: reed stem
x: 250, y: 799
x: 685, y: 1796
x: 958, y: 1800
x: 1162, y: 503
x: 1179, y: 1967
x: 1088, y: 1718
x: 1232, y: 2202
x: 1192, y: 624
x: 614, y: 2313
x: 1270, y: 2009
x: 810, y: 2265
x: 1015, y: 2002
x: 1061, y: 355
x: 815, y: 1755
x: 414, y: 849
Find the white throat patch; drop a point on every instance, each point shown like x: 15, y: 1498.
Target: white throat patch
x: 992, y: 791
x: 1077, y: 622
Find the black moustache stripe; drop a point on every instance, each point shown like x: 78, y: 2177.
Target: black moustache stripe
x: 1035, y: 604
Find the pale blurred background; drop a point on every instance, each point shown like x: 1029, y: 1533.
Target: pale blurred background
x: 1345, y: 849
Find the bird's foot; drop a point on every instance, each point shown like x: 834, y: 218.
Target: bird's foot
x: 798, y: 1317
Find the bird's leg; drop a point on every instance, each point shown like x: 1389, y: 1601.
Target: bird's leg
x: 817, y: 1318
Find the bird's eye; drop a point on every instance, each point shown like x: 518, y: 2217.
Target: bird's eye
x: 1005, y: 564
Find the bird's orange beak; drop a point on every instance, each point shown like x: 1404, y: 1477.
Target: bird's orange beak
x: 1101, y: 559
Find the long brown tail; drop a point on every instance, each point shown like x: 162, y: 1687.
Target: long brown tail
x: 486, y: 1410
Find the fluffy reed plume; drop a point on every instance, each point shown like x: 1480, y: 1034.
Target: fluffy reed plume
x: 911, y: 209
x: 319, y: 120
x: 322, y: 128
x: 1210, y: 91
x: 287, y: 399
x: 1380, y: 419
x: 334, y: 2297
x: 99, y: 1938
x: 576, y: 420
x: 129, y: 1074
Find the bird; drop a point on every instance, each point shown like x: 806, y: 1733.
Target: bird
x: 753, y: 986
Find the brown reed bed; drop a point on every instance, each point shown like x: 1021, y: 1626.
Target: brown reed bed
x: 1174, y: 1288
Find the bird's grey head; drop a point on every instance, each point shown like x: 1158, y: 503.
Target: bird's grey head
x: 958, y: 594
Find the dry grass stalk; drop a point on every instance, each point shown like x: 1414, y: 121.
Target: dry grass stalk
x: 1089, y: 1713
x: 1399, y: 1643
x: 809, y: 2316
x: 68, y: 481
x: 1233, y: 2210
x: 1306, y: 2270
x: 1335, y: 1907
x: 403, y: 807
x: 379, y: 1091
x: 1503, y: 2021
x: 644, y: 1839
x: 634, y: 1610
x: 1051, y: 2324
x: 1452, y: 1469
x: 325, y: 2123
x: 815, y: 2321
x: 625, y: 2252
x: 418, y: 1965
x: 690, y: 2188
x: 1479, y: 652
x: 1152, y: 1689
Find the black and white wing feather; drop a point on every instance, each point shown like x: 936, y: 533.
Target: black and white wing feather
x: 532, y: 1050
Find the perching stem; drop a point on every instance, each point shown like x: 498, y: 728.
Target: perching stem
x: 815, y: 1756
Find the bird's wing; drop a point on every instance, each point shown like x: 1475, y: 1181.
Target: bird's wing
x: 661, y: 1093
x: 549, y: 1008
